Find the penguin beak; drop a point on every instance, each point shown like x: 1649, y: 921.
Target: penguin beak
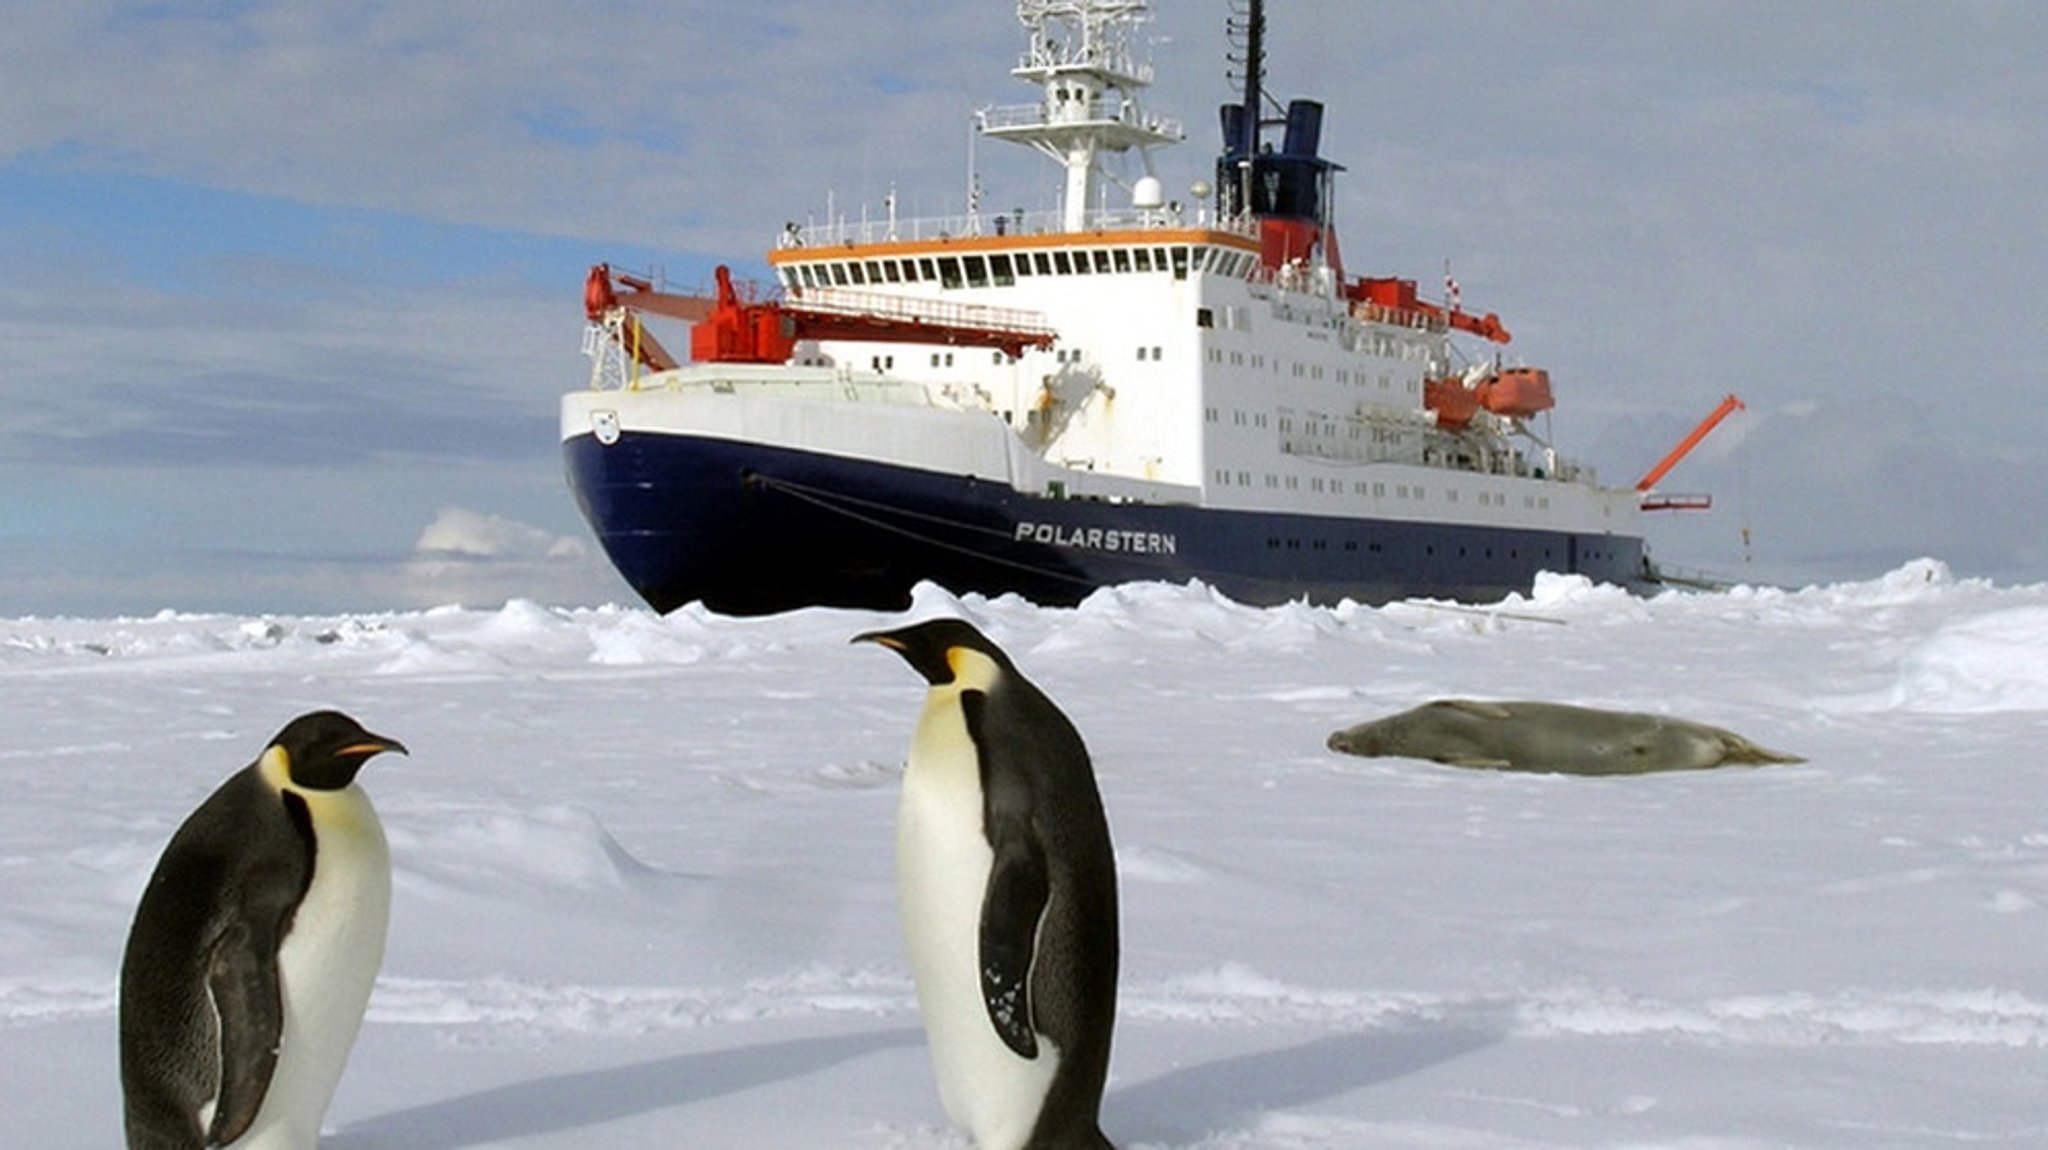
x: 377, y: 745
x: 920, y: 659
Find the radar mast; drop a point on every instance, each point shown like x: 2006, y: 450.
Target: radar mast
x: 1080, y: 56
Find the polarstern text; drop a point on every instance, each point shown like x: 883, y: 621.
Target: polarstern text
x: 1099, y: 538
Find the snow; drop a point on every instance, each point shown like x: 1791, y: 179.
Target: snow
x: 644, y: 889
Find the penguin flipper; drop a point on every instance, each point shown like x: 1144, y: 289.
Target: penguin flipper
x: 250, y: 1005
x: 1011, y: 908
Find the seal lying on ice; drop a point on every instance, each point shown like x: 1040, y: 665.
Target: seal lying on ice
x: 1550, y: 738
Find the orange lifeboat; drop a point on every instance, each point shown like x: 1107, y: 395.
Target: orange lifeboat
x: 1515, y: 392
x: 1518, y: 392
x: 1454, y: 403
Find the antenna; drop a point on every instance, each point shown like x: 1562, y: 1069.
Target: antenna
x: 1246, y: 31
x: 1081, y: 59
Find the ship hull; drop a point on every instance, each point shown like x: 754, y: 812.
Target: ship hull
x: 752, y: 529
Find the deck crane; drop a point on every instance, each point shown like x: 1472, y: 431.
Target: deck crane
x: 1656, y: 502
x: 732, y: 327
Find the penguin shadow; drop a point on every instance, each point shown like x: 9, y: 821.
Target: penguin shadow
x: 587, y: 1098
x: 1195, y: 1102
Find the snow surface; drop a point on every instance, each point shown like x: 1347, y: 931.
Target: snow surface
x: 645, y: 893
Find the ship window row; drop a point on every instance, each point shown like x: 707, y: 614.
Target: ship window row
x: 1588, y: 557
x: 1375, y: 547
x: 1237, y: 418
x: 996, y: 359
x: 1225, y: 477
x: 1343, y: 375
x: 1004, y: 269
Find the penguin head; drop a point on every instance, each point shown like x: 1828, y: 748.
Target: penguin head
x: 929, y: 647
x: 323, y: 750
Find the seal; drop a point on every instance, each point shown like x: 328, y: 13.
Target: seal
x: 1550, y: 738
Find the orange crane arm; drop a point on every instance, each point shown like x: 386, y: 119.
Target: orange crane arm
x: 1729, y: 406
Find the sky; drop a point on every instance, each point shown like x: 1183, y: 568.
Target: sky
x: 288, y: 292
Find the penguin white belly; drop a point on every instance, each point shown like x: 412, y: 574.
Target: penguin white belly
x: 327, y: 966
x: 942, y: 867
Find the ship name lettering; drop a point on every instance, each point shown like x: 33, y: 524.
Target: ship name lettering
x: 1099, y: 538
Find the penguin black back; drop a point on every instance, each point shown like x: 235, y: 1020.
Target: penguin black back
x: 1046, y: 936
x: 201, y: 1008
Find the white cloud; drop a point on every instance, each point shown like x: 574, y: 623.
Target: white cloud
x: 478, y: 558
x: 458, y: 532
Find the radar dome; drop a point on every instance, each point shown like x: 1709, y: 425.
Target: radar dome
x: 1148, y: 192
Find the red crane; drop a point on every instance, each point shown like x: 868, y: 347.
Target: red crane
x: 732, y: 329
x: 1729, y: 406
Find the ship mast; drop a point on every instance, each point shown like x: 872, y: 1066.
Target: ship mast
x: 1080, y: 57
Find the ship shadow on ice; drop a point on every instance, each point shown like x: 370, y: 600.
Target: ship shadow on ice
x: 567, y: 1102
x: 1230, y: 1093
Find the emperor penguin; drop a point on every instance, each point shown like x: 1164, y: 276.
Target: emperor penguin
x: 254, y: 949
x: 1006, y: 882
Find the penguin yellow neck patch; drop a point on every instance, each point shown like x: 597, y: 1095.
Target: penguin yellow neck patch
x: 276, y: 768
x: 972, y: 670
x: 340, y: 810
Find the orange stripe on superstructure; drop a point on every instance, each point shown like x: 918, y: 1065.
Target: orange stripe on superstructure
x: 1051, y: 241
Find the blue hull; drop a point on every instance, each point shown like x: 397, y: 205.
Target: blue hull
x: 752, y: 530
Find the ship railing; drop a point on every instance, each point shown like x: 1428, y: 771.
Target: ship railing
x: 1011, y: 117
x: 943, y: 313
x: 1399, y: 317
x: 1016, y: 222
x: 1119, y: 65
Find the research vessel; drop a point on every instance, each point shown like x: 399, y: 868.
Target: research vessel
x: 1126, y: 385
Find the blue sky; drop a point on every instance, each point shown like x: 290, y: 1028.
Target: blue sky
x: 288, y: 292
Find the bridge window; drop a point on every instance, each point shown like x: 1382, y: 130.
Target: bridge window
x: 1043, y: 262
x: 1121, y: 259
x: 977, y: 271
x: 949, y: 272
x: 1180, y: 263
x: 1142, y: 259
x: 999, y: 270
